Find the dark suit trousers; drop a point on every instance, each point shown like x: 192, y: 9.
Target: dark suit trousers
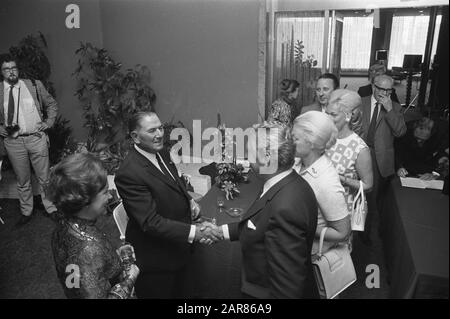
x: 162, y: 285
x: 376, y: 197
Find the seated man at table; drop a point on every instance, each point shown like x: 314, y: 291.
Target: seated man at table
x: 421, y: 151
x: 277, y: 231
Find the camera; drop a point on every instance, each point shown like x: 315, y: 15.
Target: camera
x: 13, y: 130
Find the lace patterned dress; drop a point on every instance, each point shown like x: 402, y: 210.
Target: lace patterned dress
x: 80, y: 248
x: 281, y: 112
x: 343, y: 155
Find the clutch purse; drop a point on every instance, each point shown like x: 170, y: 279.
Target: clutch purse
x: 333, y: 270
x: 359, y: 210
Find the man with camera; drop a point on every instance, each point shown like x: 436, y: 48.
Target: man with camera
x: 27, y: 110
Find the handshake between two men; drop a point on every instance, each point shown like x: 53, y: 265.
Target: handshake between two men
x: 207, y: 232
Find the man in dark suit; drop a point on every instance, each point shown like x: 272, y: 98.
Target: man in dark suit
x: 382, y: 122
x: 277, y: 231
x: 325, y: 85
x: 374, y: 70
x: 160, y: 211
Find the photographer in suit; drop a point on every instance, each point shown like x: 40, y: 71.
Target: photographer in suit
x: 23, y: 126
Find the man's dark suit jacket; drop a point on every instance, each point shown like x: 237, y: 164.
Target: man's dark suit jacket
x: 366, y: 90
x: 159, y: 212
x: 277, y: 254
x: 420, y: 159
x: 389, y: 125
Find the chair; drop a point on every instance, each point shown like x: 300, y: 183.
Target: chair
x: 121, y: 219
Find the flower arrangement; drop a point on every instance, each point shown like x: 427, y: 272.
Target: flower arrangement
x: 228, y: 176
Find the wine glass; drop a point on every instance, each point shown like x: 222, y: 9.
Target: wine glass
x: 220, y: 203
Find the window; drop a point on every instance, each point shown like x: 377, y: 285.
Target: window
x: 409, y: 36
x: 356, y: 43
x: 290, y: 29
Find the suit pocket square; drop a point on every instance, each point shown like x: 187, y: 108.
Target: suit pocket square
x: 251, y: 225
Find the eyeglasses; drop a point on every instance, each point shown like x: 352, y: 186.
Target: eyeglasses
x: 387, y: 91
x: 8, y: 70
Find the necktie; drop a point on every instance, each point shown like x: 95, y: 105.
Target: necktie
x: 372, y: 127
x: 169, y: 175
x: 163, y: 167
x: 11, y: 106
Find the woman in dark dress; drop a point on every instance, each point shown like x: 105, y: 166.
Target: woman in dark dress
x: 86, y: 263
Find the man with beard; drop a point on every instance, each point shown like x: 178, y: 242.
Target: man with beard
x: 326, y: 83
x: 27, y: 110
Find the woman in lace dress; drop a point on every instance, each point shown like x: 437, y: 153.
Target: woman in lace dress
x: 86, y: 263
x: 350, y: 155
x: 283, y: 109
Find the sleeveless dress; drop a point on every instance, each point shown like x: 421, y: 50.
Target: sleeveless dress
x: 343, y: 155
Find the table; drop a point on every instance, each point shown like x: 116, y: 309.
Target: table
x: 215, y: 270
x: 415, y: 234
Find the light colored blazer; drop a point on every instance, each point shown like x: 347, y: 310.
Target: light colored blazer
x: 389, y: 126
x: 46, y: 106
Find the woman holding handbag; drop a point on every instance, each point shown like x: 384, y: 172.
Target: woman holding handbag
x: 350, y: 155
x: 313, y: 133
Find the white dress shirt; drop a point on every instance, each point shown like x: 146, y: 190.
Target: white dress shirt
x: 373, y: 102
x: 28, y: 118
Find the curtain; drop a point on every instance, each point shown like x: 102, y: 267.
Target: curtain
x: 409, y: 36
x: 356, y: 43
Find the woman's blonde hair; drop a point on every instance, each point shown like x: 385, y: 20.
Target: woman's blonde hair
x: 318, y: 129
x: 349, y: 102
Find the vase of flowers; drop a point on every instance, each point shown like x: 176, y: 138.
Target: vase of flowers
x: 228, y: 176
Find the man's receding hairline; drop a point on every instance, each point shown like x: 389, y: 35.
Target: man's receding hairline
x: 150, y: 115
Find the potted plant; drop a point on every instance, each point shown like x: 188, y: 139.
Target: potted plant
x: 109, y: 97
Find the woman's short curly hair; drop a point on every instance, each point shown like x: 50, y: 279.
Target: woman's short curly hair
x: 75, y: 182
x: 278, y: 137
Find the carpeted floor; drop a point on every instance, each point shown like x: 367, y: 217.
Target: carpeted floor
x: 27, y: 269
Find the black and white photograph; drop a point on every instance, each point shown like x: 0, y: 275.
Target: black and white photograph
x: 220, y: 154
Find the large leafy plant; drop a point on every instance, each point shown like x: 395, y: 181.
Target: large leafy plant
x: 109, y: 97
x: 33, y: 61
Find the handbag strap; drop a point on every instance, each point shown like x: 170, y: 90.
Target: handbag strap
x: 361, y: 189
x: 322, y: 237
x: 359, y: 194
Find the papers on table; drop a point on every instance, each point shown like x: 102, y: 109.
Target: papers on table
x: 418, y: 183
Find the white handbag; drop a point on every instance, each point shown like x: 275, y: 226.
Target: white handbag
x: 359, y: 210
x: 333, y: 270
